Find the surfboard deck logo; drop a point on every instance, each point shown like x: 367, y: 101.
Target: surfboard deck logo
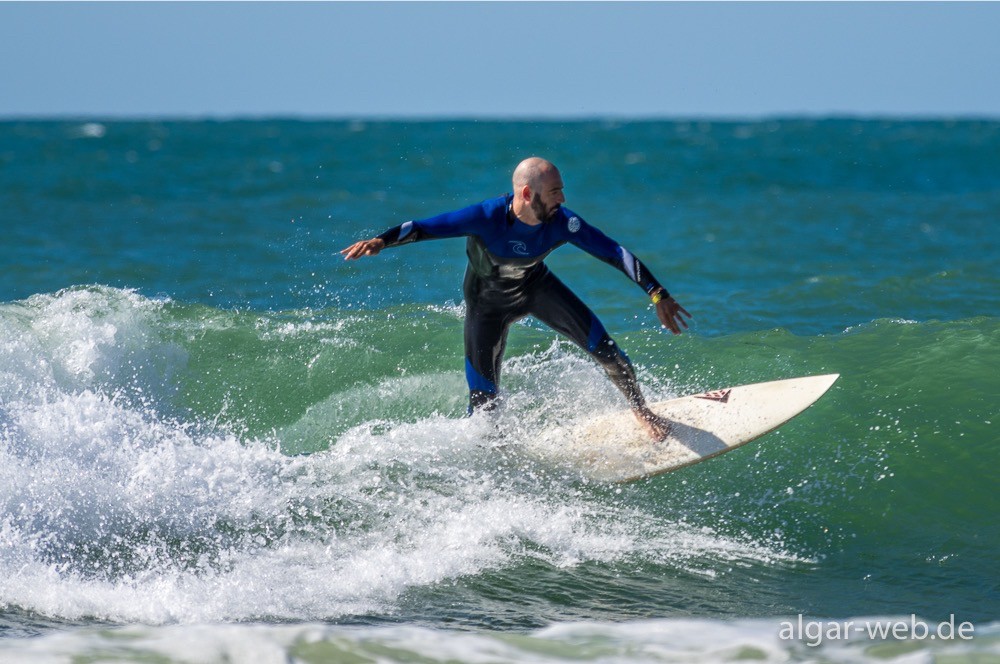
x: 722, y: 396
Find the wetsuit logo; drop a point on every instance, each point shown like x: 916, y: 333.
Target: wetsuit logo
x: 574, y: 224
x: 519, y: 248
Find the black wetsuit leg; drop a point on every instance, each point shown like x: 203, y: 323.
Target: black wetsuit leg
x: 558, y: 307
x: 492, y: 305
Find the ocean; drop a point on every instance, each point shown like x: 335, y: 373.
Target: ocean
x: 220, y: 442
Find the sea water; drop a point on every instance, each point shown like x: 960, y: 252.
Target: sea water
x: 221, y: 442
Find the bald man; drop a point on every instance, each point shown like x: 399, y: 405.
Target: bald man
x: 507, y: 279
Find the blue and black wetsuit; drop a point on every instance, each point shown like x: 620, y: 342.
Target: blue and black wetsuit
x: 506, y: 280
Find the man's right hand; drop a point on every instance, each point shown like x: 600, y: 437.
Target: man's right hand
x: 363, y: 248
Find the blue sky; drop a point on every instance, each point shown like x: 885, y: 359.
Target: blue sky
x: 503, y: 60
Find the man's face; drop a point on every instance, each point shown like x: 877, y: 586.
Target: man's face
x: 545, y: 202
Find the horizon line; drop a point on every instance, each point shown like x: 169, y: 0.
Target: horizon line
x: 499, y: 118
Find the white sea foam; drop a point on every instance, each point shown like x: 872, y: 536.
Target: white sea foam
x: 90, y: 130
x: 636, y: 642
x: 221, y: 529
x: 84, y: 338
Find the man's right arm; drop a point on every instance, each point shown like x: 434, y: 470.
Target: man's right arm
x: 450, y: 224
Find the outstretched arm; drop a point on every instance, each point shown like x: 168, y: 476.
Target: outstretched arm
x: 411, y: 231
x: 450, y: 224
x: 597, y: 244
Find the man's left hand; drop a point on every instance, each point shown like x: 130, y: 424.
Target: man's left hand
x: 671, y: 314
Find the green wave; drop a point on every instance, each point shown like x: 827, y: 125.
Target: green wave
x: 878, y: 495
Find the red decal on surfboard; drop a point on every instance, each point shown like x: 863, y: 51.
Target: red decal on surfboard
x: 722, y: 396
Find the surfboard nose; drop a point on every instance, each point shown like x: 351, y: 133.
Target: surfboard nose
x: 820, y: 383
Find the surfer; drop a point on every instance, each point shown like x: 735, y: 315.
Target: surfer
x: 507, y: 279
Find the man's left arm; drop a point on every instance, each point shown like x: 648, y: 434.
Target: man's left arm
x: 599, y: 245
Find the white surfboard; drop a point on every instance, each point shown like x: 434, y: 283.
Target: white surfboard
x: 614, y: 447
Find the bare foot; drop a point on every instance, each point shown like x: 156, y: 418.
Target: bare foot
x: 657, y: 427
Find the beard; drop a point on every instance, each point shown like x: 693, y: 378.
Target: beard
x: 541, y: 212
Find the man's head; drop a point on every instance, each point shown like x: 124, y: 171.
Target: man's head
x: 538, y: 187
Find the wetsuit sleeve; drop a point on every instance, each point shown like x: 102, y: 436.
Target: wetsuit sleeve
x: 599, y: 245
x: 450, y: 224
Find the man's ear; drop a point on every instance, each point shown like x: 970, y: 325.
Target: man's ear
x: 526, y: 193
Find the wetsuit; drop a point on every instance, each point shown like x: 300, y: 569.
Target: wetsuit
x: 506, y: 280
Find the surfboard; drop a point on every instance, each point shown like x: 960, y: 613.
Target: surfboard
x: 615, y: 448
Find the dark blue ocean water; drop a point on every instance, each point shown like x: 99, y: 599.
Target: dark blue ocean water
x: 214, y: 431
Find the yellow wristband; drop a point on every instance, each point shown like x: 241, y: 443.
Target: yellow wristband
x: 657, y: 296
